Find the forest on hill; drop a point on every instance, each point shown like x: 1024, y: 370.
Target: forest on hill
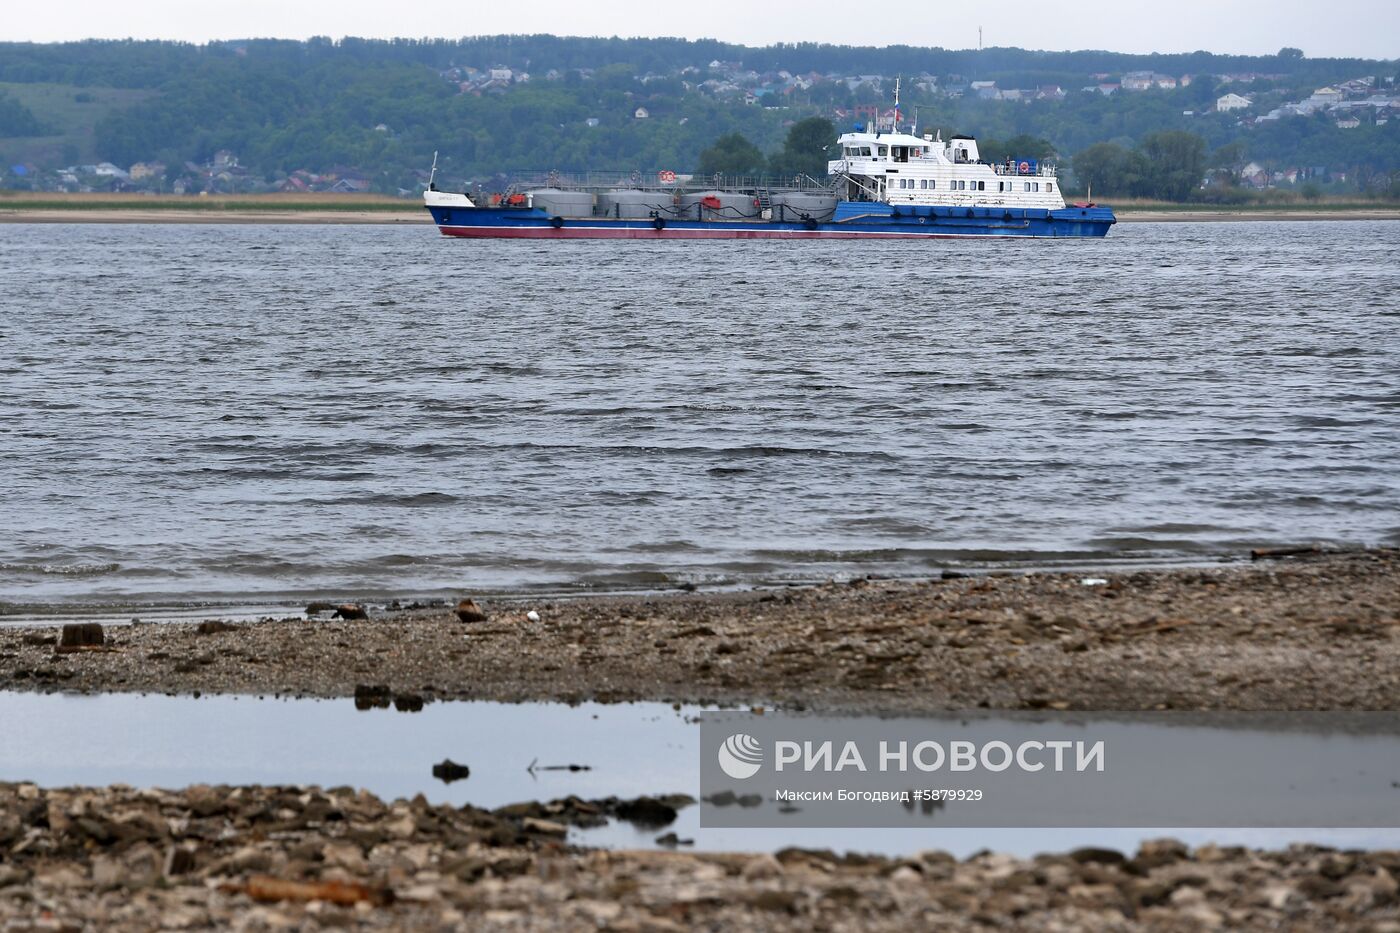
x: 259, y: 114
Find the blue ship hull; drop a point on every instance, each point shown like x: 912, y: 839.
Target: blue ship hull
x: 851, y: 219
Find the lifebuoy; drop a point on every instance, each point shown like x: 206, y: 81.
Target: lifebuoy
x: 1024, y: 168
x: 658, y: 223
x: 556, y: 222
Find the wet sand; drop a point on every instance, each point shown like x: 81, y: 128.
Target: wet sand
x: 1128, y: 215
x: 301, y: 858
x: 1308, y: 632
x: 97, y: 215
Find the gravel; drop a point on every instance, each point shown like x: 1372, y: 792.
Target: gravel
x: 1305, y: 632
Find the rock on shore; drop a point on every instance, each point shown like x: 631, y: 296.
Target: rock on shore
x: 280, y: 858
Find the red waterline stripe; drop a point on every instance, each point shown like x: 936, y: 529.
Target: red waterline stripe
x: 666, y: 233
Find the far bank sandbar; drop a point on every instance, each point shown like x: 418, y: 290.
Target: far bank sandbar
x: 184, y: 216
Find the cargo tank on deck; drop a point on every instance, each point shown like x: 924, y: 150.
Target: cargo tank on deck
x: 633, y: 203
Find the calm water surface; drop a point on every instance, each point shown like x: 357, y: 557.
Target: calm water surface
x: 264, y: 413
x: 631, y: 750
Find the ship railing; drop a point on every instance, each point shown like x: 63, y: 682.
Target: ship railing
x: 1014, y: 168
x: 664, y: 181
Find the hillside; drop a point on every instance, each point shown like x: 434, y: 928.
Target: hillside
x: 368, y: 115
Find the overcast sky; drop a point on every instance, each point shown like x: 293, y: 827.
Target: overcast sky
x: 1364, y: 28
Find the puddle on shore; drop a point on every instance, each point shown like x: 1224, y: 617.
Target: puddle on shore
x: 631, y: 750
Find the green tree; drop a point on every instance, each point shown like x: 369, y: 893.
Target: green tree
x: 17, y: 119
x: 1113, y: 169
x: 1177, y: 161
x: 731, y: 154
x: 1022, y: 146
x: 806, y: 149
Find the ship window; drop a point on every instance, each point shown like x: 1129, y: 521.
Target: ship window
x: 1028, y: 186
x: 883, y: 151
x: 1049, y: 187
x: 981, y: 186
x: 933, y: 183
x: 1037, y: 186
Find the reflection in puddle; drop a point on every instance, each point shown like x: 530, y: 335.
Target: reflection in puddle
x: 513, y: 752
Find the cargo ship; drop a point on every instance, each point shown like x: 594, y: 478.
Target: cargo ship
x: 882, y: 183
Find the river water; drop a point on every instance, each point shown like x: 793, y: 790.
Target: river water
x: 260, y: 414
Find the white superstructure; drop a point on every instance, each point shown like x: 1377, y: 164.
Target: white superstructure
x: 902, y: 168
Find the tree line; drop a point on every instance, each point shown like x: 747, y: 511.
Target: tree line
x: 381, y: 108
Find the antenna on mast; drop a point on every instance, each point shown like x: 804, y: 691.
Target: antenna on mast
x: 432, y: 175
x: 896, y: 102
x: 979, y: 38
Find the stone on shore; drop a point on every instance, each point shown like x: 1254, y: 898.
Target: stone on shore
x: 468, y: 611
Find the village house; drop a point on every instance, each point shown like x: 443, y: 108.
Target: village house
x: 1136, y: 81
x: 1232, y: 102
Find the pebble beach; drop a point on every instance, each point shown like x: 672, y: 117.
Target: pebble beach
x: 1311, y: 630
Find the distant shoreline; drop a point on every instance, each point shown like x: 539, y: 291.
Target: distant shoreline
x: 389, y: 212
x: 172, y: 215
x: 1218, y: 215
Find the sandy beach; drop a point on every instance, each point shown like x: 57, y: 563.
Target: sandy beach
x: 99, y: 215
x: 1228, y: 216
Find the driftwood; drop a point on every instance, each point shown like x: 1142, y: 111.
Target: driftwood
x: 265, y: 888
x: 1262, y: 553
x: 1160, y: 627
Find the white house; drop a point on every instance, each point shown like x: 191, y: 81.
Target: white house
x: 1231, y: 102
x: 641, y: 113
x: 1136, y: 81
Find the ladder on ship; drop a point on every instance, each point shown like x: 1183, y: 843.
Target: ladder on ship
x: 764, y: 197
